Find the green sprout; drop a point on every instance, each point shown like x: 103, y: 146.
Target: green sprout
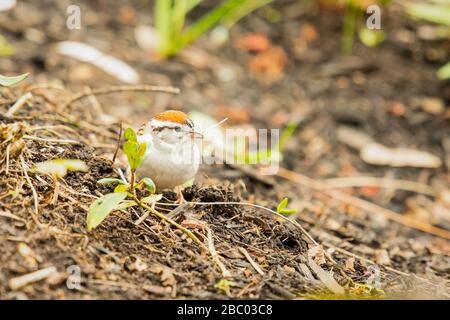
x: 281, y: 208
x: 170, y: 18
x: 124, y: 195
x: 354, y: 10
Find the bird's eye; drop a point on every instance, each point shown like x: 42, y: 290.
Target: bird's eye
x: 177, y: 129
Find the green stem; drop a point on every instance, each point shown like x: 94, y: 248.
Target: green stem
x: 349, y: 27
x: 167, y: 219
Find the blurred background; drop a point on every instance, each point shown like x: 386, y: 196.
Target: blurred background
x: 363, y: 86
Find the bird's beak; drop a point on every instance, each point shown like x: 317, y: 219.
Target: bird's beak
x: 195, y: 135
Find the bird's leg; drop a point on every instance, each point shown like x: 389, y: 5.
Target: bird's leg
x: 180, y: 198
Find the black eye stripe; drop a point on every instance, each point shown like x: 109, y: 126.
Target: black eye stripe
x: 190, y: 123
x: 159, y: 129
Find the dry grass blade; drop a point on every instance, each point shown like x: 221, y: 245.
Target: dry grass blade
x: 35, y: 196
x: 10, y: 215
x: 252, y: 262
x: 326, y: 278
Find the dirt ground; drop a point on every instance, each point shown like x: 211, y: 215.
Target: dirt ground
x: 399, y: 234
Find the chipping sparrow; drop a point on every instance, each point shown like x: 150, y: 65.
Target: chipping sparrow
x: 172, y: 157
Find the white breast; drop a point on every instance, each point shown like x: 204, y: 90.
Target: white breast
x: 169, y: 165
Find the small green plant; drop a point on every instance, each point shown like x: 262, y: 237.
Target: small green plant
x: 224, y: 285
x: 282, y: 207
x: 438, y: 13
x: 354, y: 10
x: 11, y: 81
x: 170, y: 18
x: 124, y: 195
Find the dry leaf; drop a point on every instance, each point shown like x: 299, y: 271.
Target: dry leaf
x: 269, y: 65
x: 166, y: 274
x: 317, y: 254
x: 254, y: 42
x: 350, y: 264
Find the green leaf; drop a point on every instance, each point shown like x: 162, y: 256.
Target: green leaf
x: 149, y: 184
x: 121, y: 188
x: 130, y: 147
x: 286, y: 134
x: 130, y: 135
x: 6, y: 49
x: 224, y: 285
x: 59, y: 167
x: 444, y: 72
x: 102, y: 207
x: 126, y: 204
x: 242, y: 10
x: 371, y: 38
x: 206, y: 22
x: 152, y: 198
x: 163, y: 19
x: 430, y: 12
x: 283, y: 204
x: 288, y: 211
x: 11, y: 81
x: 131, y: 150
x: 110, y: 181
x: 282, y: 207
x: 142, y: 148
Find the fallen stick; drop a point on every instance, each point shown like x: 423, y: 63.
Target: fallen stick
x: 19, y: 282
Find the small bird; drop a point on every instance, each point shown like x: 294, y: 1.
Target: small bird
x: 172, y: 156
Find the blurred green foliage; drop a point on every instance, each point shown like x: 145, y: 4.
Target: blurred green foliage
x: 6, y: 49
x: 437, y: 12
x: 354, y: 11
x: 170, y: 20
